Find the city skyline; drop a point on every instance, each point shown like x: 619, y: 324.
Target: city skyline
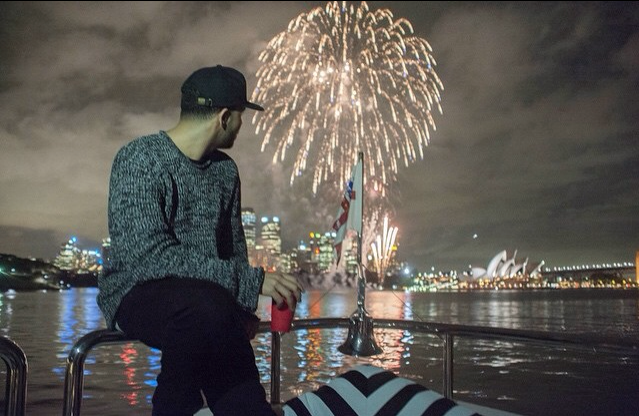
x: 307, y: 241
x: 536, y: 149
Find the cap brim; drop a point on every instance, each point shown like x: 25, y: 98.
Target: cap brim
x: 254, y: 106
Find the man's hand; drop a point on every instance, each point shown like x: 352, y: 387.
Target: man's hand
x: 282, y: 286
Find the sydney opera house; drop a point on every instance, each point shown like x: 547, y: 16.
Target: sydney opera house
x: 504, y: 266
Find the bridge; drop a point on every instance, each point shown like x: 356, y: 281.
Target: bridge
x: 621, y: 271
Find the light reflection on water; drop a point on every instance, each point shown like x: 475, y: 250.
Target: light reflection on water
x: 497, y: 373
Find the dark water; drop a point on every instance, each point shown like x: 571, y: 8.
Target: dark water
x: 511, y: 376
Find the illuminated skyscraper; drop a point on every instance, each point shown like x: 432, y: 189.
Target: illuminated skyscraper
x: 248, y: 223
x: 271, y: 239
x: 313, y: 252
x: 90, y: 261
x: 286, y: 263
x: 72, y: 258
x: 69, y: 256
x: 303, y: 258
x: 350, y: 257
x: 106, y: 251
x: 325, y: 246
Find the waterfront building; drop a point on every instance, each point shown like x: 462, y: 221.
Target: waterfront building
x: 69, y: 256
x: 266, y: 259
x: 350, y: 257
x: 505, y: 265
x: 302, y: 258
x: 271, y: 239
x: 73, y: 259
x: 320, y: 248
x: 286, y: 263
x: 325, y: 252
x: 90, y: 262
x: 106, y: 250
x: 249, y: 220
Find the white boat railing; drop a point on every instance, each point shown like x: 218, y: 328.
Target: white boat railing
x: 16, y: 385
x: 74, y: 378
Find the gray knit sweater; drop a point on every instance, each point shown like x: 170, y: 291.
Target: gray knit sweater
x: 170, y: 216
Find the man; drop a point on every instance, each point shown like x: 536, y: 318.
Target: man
x: 178, y: 277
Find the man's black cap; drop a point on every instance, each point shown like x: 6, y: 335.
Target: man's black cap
x: 217, y: 86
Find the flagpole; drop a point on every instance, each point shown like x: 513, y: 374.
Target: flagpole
x: 361, y: 340
x: 361, y: 278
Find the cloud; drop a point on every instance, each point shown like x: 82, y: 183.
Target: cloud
x: 95, y: 77
x: 522, y: 138
x: 535, y: 149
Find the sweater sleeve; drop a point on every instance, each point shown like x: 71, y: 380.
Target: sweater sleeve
x: 144, y: 243
x: 251, y: 278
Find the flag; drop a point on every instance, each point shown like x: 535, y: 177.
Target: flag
x: 349, y: 216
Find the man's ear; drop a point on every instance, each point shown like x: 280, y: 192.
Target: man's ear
x: 224, y: 115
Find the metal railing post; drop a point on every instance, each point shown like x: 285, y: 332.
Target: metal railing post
x: 74, y: 377
x: 17, y: 368
x: 448, y: 366
x: 276, y: 340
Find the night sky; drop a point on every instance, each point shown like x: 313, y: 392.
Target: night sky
x: 537, y: 149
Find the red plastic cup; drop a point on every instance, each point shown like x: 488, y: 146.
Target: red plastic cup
x: 281, y: 317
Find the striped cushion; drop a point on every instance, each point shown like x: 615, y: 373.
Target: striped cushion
x: 368, y: 390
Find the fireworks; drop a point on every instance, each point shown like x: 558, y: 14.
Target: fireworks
x: 383, y: 249
x: 344, y: 79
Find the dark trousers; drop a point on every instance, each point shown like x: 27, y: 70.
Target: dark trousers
x: 196, y: 324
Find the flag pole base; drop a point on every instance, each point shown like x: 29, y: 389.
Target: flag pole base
x: 361, y: 340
